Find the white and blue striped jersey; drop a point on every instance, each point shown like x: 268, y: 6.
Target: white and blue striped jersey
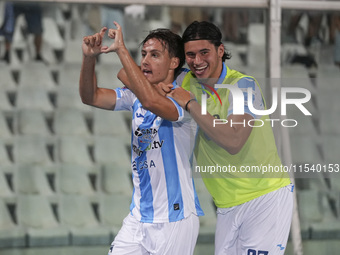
x: 160, y: 156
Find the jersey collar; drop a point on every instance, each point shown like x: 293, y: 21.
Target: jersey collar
x: 223, y: 74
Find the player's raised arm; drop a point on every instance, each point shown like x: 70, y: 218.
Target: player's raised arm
x: 138, y: 82
x: 89, y: 92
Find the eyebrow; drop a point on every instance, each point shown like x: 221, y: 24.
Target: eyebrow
x: 153, y: 51
x: 191, y: 52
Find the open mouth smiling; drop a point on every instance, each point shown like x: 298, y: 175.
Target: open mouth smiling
x: 200, y: 70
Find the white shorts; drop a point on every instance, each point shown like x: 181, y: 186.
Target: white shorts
x: 258, y: 227
x: 136, y: 237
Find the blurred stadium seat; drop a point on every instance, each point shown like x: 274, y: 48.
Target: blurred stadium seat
x: 115, y: 179
x: 11, y: 235
x: 34, y: 150
x: 112, y: 210
x: 38, y: 99
x: 36, y: 215
x: 32, y: 122
x: 32, y: 180
x: 70, y: 121
x: 74, y: 179
x: 109, y: 123
x: 77, y: 214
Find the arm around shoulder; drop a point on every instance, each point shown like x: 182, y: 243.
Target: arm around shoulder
x: 230, y: 137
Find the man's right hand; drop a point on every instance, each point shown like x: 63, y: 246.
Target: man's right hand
x: 181, y: 96
x: 92, y: 45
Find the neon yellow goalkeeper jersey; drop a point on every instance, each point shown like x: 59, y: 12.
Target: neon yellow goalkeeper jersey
x: 255, y: 170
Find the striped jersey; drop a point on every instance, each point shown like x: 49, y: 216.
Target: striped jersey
x: 163, y: 189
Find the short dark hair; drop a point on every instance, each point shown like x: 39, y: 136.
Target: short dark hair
x: 172, y: 42
x: 205, y: 30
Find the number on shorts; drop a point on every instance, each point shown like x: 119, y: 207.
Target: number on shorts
x: 254, y: 252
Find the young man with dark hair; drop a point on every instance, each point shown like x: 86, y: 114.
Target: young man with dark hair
x: 253, y: 210
x: 164, y: 211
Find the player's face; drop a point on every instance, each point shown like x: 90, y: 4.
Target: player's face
x: 156, y: 63
x: 203, y: 59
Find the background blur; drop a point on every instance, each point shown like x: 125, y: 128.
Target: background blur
x: 65, y: 181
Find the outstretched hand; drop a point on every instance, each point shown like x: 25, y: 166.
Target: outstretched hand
x: 117, y: 36
x: 92, y: 44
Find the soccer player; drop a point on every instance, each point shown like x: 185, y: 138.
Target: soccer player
x: 164, y: 211
x: 253, y: 211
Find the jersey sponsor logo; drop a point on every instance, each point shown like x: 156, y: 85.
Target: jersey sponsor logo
x: 137, y: 150
x: 155, y: 145
x: 143, y: 165
x: 152, y: 146
x: 145, y: 131
x: 145, y: 135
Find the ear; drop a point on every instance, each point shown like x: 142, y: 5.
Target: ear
x: 220, y: 50
x: 174, y: 63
